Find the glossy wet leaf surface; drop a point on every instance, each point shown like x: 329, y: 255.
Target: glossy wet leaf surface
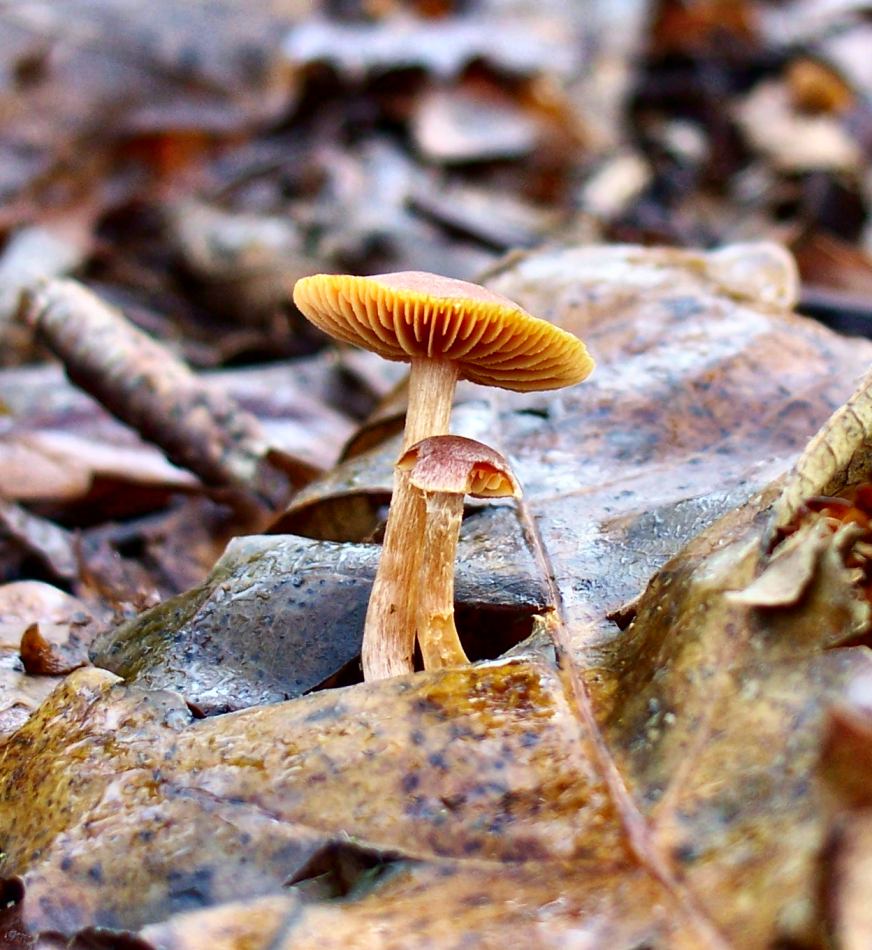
x: 255, y: 631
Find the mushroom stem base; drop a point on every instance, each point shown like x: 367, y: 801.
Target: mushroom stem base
x: 389, y: 633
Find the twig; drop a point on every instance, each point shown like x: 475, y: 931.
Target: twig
x: 144, y: 385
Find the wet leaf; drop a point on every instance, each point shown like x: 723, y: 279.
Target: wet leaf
x: 485, y: 763
x: 696, y: 676
x: 405, y: 912
x: 693, y: 770
x: 253, y: 924
x: 255, y: 631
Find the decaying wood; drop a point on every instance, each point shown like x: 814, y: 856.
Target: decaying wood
x: 144, y: 385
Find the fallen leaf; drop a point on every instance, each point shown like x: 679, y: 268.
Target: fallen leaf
x: 90, y: 74
x: 807, y: 569
x: 457, y: 125
x: 58, y: 614
x: 60, y: 619
x: 140, y: 382
x: 57, y: 443
x: 54, y: 546
x: 492, y: 216
x: 835, y: 458
x: 279, y: 616
x: 246, y: 265
x: 792, y: 140
x: 252, y: 925
x: 485, y: 763
x: 35, y: 253
x: 512, y: 43
x: 847, y: 859
x: 41, y: 657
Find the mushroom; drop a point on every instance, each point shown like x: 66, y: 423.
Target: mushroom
x: 445, y: 468
x: 448, y: 330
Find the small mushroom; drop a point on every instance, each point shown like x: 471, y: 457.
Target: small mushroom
x: 445, y: 468
x: 448, y: 330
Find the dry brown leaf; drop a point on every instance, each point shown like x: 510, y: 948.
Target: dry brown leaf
x: 511, y: 42
x: 58, y: 614
x: 41, y: 657
x: 60, y: 620
x: 55, y: 443
x: 245, y: 265
x: 837, y: 456
x: 58, y: 443
x: 84, y: 75
x: 792, y: 140
x: 51, y: 249
x: 472, y: 125
x: 54, y: 546
x: 847, y: 860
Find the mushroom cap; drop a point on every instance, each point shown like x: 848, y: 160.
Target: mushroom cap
x: 414, y: 315
x: 451, y: 464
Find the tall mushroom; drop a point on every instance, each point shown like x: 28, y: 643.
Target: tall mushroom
x: 448, y: 330
x: 445, y: 468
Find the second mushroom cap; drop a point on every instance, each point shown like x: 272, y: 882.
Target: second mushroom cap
x: 455, y: 465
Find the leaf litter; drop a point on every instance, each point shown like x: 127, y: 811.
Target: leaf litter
x: 633, y: 784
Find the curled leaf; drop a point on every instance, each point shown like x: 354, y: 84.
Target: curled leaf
x: 837, y: 456
x: 43, y: 658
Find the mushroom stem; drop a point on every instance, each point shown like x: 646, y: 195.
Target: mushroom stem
x: 389, y: 631
x: 431, y: 395
x: 437, y: 634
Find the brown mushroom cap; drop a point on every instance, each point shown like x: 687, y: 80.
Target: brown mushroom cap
x: 413, y: 315
x: 451, y: 464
